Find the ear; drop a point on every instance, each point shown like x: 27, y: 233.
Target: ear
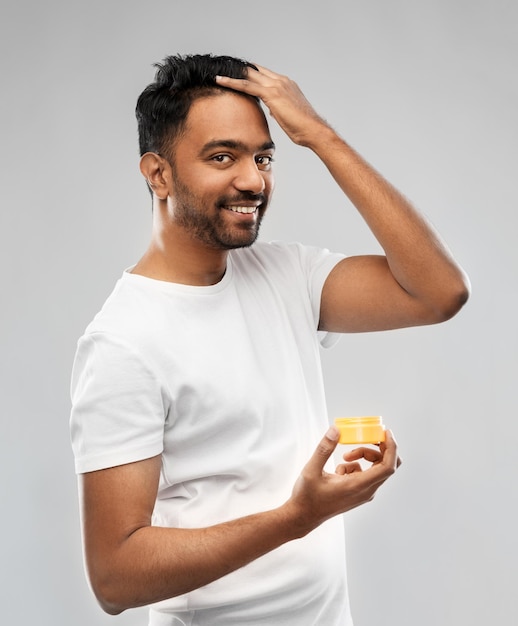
x: 157, y: 172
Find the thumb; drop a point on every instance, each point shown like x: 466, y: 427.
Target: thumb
x: 323, y: 451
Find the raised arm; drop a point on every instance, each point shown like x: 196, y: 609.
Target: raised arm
x: 417, y: 281
x: 132, y: 563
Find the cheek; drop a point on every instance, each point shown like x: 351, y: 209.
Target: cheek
x: 211, y: 185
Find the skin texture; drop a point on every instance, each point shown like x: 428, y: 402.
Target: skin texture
x: 223, y: 159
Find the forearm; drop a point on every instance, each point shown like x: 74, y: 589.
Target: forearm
x: 417, y: 257
x: 131, y: 563
x: 156, y: 563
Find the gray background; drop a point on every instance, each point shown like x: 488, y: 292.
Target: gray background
x: 427, y: 91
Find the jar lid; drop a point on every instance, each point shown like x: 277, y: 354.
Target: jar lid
x: 362, y: 420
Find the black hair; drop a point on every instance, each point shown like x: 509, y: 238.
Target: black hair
x: 163, y: 106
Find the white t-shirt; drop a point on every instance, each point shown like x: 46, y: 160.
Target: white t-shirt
x: 225, y: 382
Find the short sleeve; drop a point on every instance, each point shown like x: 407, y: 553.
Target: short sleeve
x: 118, y: 405
x: 318, y: 264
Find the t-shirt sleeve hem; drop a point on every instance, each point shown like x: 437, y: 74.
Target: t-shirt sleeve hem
x: 92, y: 463
x: 328, y: 339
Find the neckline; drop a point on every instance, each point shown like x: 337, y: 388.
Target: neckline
x: 171, y: 287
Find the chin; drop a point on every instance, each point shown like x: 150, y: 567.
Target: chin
x: 243, y: 240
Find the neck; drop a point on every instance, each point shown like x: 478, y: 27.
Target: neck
x: 175, y: 256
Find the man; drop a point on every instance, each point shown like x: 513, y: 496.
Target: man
x: 198, y: 402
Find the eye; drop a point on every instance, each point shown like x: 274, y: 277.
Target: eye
x: 264, y: 161
x: 224, y: 159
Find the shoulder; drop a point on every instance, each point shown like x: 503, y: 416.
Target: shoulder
x: 134, y: 304
x: 287, y: 257
x: 273, y: 251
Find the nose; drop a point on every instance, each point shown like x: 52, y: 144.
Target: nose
x: 249, y: 177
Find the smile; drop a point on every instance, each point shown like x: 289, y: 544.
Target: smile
x: 242, y: 209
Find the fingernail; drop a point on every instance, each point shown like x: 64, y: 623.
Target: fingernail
x: 333, y: 434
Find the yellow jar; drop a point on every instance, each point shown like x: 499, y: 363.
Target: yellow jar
x: 365, y: 429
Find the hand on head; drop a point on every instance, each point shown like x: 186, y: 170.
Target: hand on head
x: 283, y: 98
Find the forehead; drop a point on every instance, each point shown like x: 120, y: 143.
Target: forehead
x: 225, y: 116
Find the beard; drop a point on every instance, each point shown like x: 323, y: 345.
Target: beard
x: 214, y: 230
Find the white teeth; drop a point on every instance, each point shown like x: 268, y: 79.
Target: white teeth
x: 242, y: 209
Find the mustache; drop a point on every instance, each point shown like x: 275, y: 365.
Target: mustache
x: 245, y: 196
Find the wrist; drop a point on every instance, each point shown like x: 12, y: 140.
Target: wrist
x: 295, y: 521
x: 320, y: 137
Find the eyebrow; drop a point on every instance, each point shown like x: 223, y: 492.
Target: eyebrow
x: 235, y: 145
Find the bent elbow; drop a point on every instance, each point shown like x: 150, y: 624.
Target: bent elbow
x: 109, y: 603
x: 453, y: 301
x: 108, y: 596
x: 110, y: 609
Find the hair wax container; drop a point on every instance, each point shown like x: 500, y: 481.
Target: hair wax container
x: 365, y: 429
